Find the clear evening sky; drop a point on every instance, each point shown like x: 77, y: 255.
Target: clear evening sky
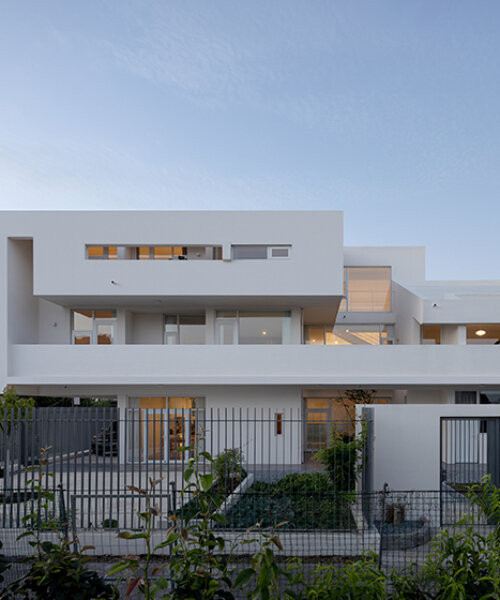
x: 388, y: 110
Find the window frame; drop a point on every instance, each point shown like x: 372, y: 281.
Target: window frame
x: 96, y: 321
x: 177, y: 333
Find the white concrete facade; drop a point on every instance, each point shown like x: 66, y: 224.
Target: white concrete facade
x: 47, y: 273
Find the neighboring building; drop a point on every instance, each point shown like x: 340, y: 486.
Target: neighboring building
x: 234, y: 311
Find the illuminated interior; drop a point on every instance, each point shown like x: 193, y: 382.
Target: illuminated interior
x: 484, y: 333
x: 349, y: 335
x: 366, y: 289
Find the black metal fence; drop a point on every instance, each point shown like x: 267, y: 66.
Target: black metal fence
x: 470, y: 449
x: 265, y: 471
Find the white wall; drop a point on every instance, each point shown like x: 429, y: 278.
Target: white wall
x: 407, y: 443
x: 22, y: 305
x: 61, y: 269
x: 244, y: 417
x: 147, y: 328
x: 54, y: 323
x: 408, y: 308
x: 408, y: 263
x: 394, y: 367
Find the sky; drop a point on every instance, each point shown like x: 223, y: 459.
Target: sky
x: 387, y: 110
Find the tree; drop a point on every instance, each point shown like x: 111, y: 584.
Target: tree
x: 13, y: 410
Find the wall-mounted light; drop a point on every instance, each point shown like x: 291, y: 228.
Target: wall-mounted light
x: 113, y: 282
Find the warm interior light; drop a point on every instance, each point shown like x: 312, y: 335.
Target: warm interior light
x: 264, y: 333
x: 336, y: 342
x: 480, y: 332
x: 347, y: 330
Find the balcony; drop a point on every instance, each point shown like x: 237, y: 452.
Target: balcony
x: 342, y: 366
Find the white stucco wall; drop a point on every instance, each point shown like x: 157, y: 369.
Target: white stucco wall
x: 407, y: 442
x: 61, y: 268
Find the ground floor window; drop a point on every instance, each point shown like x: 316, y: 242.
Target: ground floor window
x: 160, y: 426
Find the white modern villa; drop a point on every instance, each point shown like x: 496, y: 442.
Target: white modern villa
x: 235, y: 311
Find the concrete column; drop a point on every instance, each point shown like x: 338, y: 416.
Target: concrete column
x: 121, y: 330
x: 210, y: 326
x: 296, y: 326
x: 453, y: 334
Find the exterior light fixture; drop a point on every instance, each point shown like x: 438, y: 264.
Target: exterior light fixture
x: 480, y: 332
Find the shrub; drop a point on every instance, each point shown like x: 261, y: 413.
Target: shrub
x: 228, y: 468
x: 60, y: 573
x: 341, y: 459
x: 359, y: 580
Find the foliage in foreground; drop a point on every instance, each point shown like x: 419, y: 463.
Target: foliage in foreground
x: 56, y: 572
x: 463, y: 564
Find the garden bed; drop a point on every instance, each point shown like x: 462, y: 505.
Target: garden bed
x: 304, y: 501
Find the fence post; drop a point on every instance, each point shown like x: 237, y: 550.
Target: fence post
x: 385, y: 489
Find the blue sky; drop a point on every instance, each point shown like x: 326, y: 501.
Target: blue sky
x: 387, y: 110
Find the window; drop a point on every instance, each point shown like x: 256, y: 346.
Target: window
x: 278, y: 424
x: 367, y: 289
x: 431, y: 334
x: 259, y: 252
x: 161, y: 252
x: 154, y: 252
x: 102, y: 252
x: 245, y: 327
x: 93, y: 327
x: 488, y: 333
x: 349, y: 335
x: 184, y: 329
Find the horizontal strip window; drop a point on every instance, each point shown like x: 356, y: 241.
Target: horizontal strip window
x: 150, y: 252
x: 259, y: 252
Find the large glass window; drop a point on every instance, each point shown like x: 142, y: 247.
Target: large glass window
x: 348, y: 335
x: 93, y: 326
x: 245, y: 327
x: 367, y: 289
x: 184, y: 329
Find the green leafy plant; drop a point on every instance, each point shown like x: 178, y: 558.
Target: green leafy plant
x: 341, y: 459
x: 358, y: 580
x: 13, y: 409
x: 228, y: 468
x: 261, y: 579
x: 200, y: 562
x: 4, y: 564
x: 55, y: 571
x: 487, y: 497
x: 228, y: 472
x: 148, y: 582
x: 303, y: 500
x: 58, y: 573
x: 463, y: 565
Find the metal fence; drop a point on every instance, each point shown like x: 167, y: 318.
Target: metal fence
x: 470, y: 449
x: 265, y: 472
